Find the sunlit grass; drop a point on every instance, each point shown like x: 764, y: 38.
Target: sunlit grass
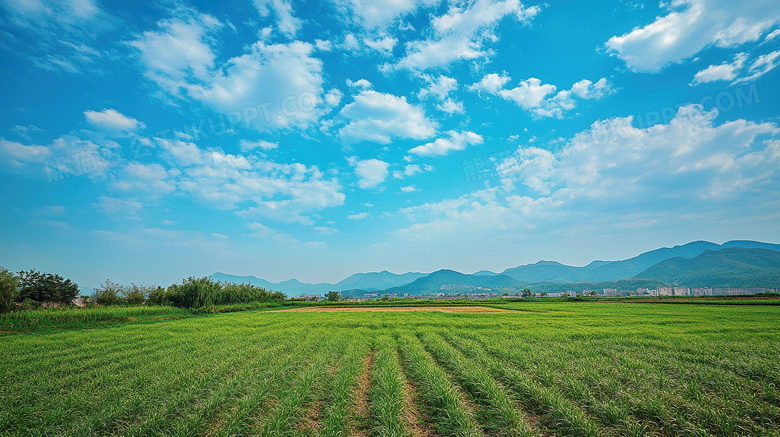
x: 563, y: 368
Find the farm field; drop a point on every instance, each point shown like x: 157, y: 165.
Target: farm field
x: 526, y: 368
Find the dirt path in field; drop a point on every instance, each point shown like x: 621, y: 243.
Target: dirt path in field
x: 311, y: 421
x: 414, y: 418
x: 361, y: 399
x: 443, y: 309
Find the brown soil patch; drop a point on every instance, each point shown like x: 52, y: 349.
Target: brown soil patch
x: 361, y: 399
x: 311, y: 421
x: 443, y: 309
x: 414, y: 418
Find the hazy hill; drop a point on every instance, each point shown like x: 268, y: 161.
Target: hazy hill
x: 433, y: 283
x: 732, y: 267
x: 376, y: 280
x: 544, y: 275
x: 359, y: 281
x: 603, y: 271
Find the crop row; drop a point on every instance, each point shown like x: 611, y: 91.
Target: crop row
x: 285, y: 374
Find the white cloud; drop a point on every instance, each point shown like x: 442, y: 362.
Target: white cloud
x: 260, y: 144
x: 50, y: 210
x: 18, y: 154
x: 491, y: 83
x: 326, y: 230
x: 127, y: 208
x: 409, y: 189
x: 461, y: 33
x: 586, y: 89
x: 272, y: 86
x: 380, y: 117
x: 288, y: 24
x: 689, y: 27
x: 360, y: 84
x: 614, y: 176
x: 265, y: 233
x: 351, y: 43
x: 439, y: 88
x: 282, y: 82
x: 153, y: 180
x: 539, y: 98
x: 250, y: 186
x: 180, y: 51
x: 735, y: 72
x: 373, y: 15
x: 370, y: 172
x: 725, y: 71
x: 112, y: 120
x: 358, y: 216
x: 411, y: 170
x: 613, y: 161
x: 333, y: 98
x: 443, y: 146
x: 383, y: 45
x: 64, y: 157
x: 55, y: 34
x: 761, y: 66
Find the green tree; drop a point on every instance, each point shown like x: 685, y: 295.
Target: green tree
x: 543, y: 294
x: 196, y: 292
x: 136, y: 294
x: 46, y: 287
x: 159, y: 296
x: 8, y: 293
x: 333, y: 296
x: 527, y: 293
x: 110, y: 293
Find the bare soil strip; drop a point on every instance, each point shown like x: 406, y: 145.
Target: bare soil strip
x: 311, y: 421
x: 361, y: 399
x: 443, y: 309
x: 415, y: 421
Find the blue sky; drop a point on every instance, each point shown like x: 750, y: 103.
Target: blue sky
x: 150, y: 141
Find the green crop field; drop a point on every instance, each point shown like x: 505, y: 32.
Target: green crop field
x: 535, y: 369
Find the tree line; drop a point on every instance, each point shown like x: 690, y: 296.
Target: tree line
x: 32, y: 289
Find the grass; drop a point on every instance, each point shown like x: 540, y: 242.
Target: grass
x: 543, y: 368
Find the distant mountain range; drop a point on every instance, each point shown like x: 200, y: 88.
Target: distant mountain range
x: 732, y: 267
x: 449, y: 281
x: 373, y: 281
x: 603, y: 271
x: 738, y: 263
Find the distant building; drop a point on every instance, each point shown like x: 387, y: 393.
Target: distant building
x: 311, y: 297
x: 610, y: 292
x: 665, y: 291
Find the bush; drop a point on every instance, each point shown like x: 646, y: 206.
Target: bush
x: 205, y: 293
x: 196, y: 293
x: 110, y: 293
x: 136, y: 294
x: 8, y: 293
x: 46, y: 287
x: 159, y: 296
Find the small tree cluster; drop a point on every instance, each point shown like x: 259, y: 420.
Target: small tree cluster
x: 205, y: 292
x: 111, y: 293
x: 8, y: 290
x: 46, y: 287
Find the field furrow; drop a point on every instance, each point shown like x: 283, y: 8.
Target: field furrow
x: 443, y: 401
